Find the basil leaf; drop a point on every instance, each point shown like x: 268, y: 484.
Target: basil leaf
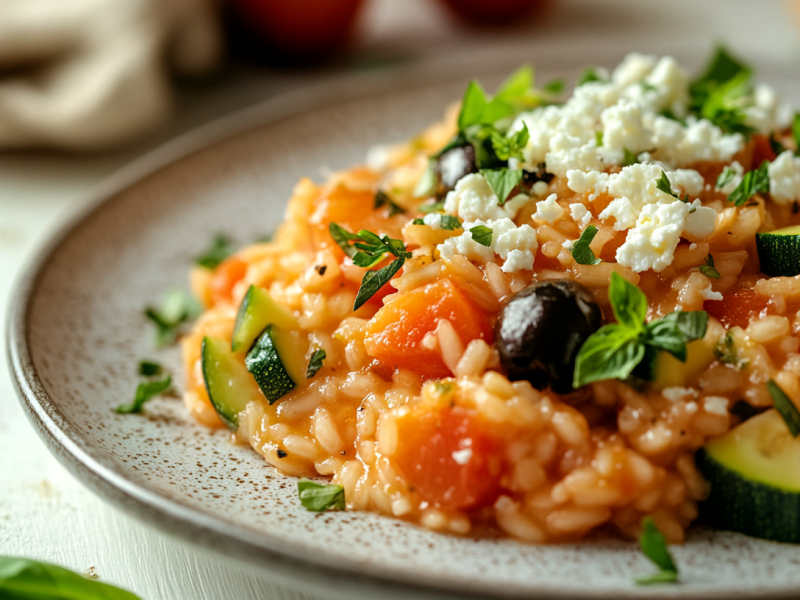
x: 708, y: 268
x: 22, y: 578
x: 727, y: 175
x: 654, y: 546
x: 473, y: 105
x: 785, y: 406
x: 220, y: 249
x: 427, y: 184
x: 502, y: 181
x: 177, y: 307
x: 663, y: 184
x: 589, y: 75
x: 611, y: 352
x: 342, y: 237
x: 482, y: 235
x: 754, y: 182
x: 665, y: 335
x: 375, y: 280
x: 144, y: 392
x: 315, y: 364
x: 581, y: 251
x: 629, y: 158
x: 511, y: 146
x: 692, y: 324
x: 450, y: 223
x: 148, y: 368
x: 796, y: 133
x: 516, y: 86
x: 721, y: 68
x: 418, y: 222
x: 628, y: 302
x: 383, y: 199
x: 724, y: 105
x: 319, y: 498
x: 554, y: 86
x: 431, y: 207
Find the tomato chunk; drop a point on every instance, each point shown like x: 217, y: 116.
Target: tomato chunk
x: 226, y: 275
x: 394, y: 335
x: 449, y: 457
x: 737, y: 309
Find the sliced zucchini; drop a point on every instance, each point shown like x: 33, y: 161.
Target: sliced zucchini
x: 670, y: 372
x: 256, y: 311
x: 230, y: 387
x: 277, y: 361
x: 754, y: 474
x: 779, y: 252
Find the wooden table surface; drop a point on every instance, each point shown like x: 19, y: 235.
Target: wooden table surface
x: 44, y: 512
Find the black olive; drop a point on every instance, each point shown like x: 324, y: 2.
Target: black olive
x: 454, y: 164
x: 541, y: 329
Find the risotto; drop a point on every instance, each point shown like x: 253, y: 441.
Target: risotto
x: 543, y: 314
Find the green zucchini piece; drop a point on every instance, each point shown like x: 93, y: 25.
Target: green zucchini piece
x: 276, y: 361
x: 755, y: 479
x: 779, y: 252
x: 230, y: 387
x: 256, y: 311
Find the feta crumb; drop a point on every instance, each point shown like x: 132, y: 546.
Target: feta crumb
x: 651, y: 243
x: 716, y: 405
x: 593, y: 183
x: 700, y: 223
x: 517, y: 246
x: 688, y: 181
x: 623, y: 128
x: 734, y: 182
x: 673, y: 394
x: 784, y: 178
x: 433, y: 220
x: 462, y: 457
x: 691, y: 407
x: 580, y: 214
x: 548, y: 210
x: 710, y: 294
x: 379, y: 157
x: 540, y: 188
x: 692, y: 246
x: 769, y: 111
x: 699, y: 140
x: 473, y: 199
x: 568, y: 244
x: 633, y: 68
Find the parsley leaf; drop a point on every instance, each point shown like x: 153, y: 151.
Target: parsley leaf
x: 315, y: 364
x: 383, y: 199
x: 598, y: 139
x: 663, y: 184
x: 754, y: 182
x: 727, y: 175
x: 473, y: 105
x: 319, y: 498
x: 581, y: 251
x: 177, y: 308
x: 450, y: 223
x: 431, y: 207
x: 589, y: 75
x: 148, y: 368
x: 375, y: 280
x: 721, y: 68
x: 144, y: 392
x: 785, y: 406
x: 708, y: 269
x: 554, y: 86
x: 482, y: 235
x: 654, y: 546
x: 629, y: 158
x: 725, y: 105
x: 502, y: 181
x: 418, y: 222
x: 511, y: 146
x: 221, y: 248
x: 796, y: 133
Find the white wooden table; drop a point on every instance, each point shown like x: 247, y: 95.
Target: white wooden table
x: 44, y: 512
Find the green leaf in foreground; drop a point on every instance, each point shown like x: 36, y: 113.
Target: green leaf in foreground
x: 221, y: 248
x: 148, y: 368
x: 482, y: 235
x: 375, y: 280
x: 318, y: 498
x: 612, y: 352
x: 785, y: 406
x: 628, y: 302
x: 581, y: 251
x: 144, y: 392
x: 708, y: 269
x: 177, y: 307
x: 315, y: 364
x: 754, y: 182
x: 654, y: 547
x: 23, y: 579
x: 502, y: 181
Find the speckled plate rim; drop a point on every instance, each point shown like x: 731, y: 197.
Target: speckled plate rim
x: 291, y: 565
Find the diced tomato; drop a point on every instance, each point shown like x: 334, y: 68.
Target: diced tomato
x: 394, y: 335
x: 449, y: 457
x: 226, y: 275
x: 737, y: 309
x: 762, y: 150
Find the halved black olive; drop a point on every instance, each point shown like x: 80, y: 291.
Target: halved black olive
x: 452, y: 165
x: 541, y: 329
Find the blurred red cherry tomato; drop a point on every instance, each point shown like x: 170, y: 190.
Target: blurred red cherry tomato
x: 289, y: 31
x: 494, y: 12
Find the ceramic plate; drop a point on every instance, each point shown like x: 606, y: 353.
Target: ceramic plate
x: 77, y: 332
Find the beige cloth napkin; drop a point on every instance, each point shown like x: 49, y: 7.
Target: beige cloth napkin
x: 89, y: 74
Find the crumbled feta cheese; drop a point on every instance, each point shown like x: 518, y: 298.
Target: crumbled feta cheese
x: 734, y: 181
x: 548, y: 210
x: 784, y: 178
x: 699, y: 140
x: 623, y: 128
x: 673, y: 394
x: 593, y: 183
x: 568, y: 245
x: 688, y: 181
x: 465, y: 246
x: 700, y: 223
x: 769, y: 111
x: 462, y: 457
x: 540, y: 188
x: 671, y: 85
x: 453, y: 164
x: 692, y: 246
x: 651, y: 243
x: 633, y: 188
x: 379, y: 157
x: 710, y: 294
x: 633, y: 68
x: 515, y: 245
x: 716, y: 405
x: 473, y: 199
x: 580, y: 214
x: 433, y: 220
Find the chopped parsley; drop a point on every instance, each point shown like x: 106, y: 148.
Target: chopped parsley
x: 581, y: 251
x: 315, y: 364
x: 319, y: 498
x: 708, y: 269
x: 418, y: 222
x: 785, y: 406
x: 721, y: 68
x: 502, y: 181
x: 144, y: 392
x: 663, y: 184
x: 598, y: 139
x: 629, y: 158
x: 148, y: 368
x: 589, y: 75
x: 510, y: 146
x: 431, y: 207
x: 727, y: 175
x: 450, y: 223
x: 615, y: 350
x: 725, y: 351
x: 177, y: 308
x: 654, y: 547
x: 482, y: 235
x: 221, y: 248
x: 383, y: 199
x: 554, y: 87
x: 754, y: 182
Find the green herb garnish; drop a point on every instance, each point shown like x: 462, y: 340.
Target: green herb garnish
x: 431, y: 207
x: 23, y: 578
x: 581, y: 251
x: 598, y: 139
x: 708, y: 269
x: 426, y: 186
x: 554, y: 86
x: 315, y: 364
x: 615, y: 350
x: 221, y: 248
x: 629, y: 158
x: 177, y: 308
x: 418, y: 222
x: 663, y: 184
x: 727, y: 175
x: 144, y: 392
x: 148, y: 368
x: 482, y: 235
x: 654, y: 547
x: 722, y: 68
x: 589, y: 75
x: 776, y: 146
x: 796, y: 133
x: 502, y: 181
x: 785, y: 406
x: 754, y: 182
x: 479, y: 109
x: 510, y: 146
x: 450, y: 223
x: 383, y: 199
x: 319, y: 498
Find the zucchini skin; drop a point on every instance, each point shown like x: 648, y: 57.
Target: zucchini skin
x: 264, y: 363
x: 736, y: 503
x: 779, y: 254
